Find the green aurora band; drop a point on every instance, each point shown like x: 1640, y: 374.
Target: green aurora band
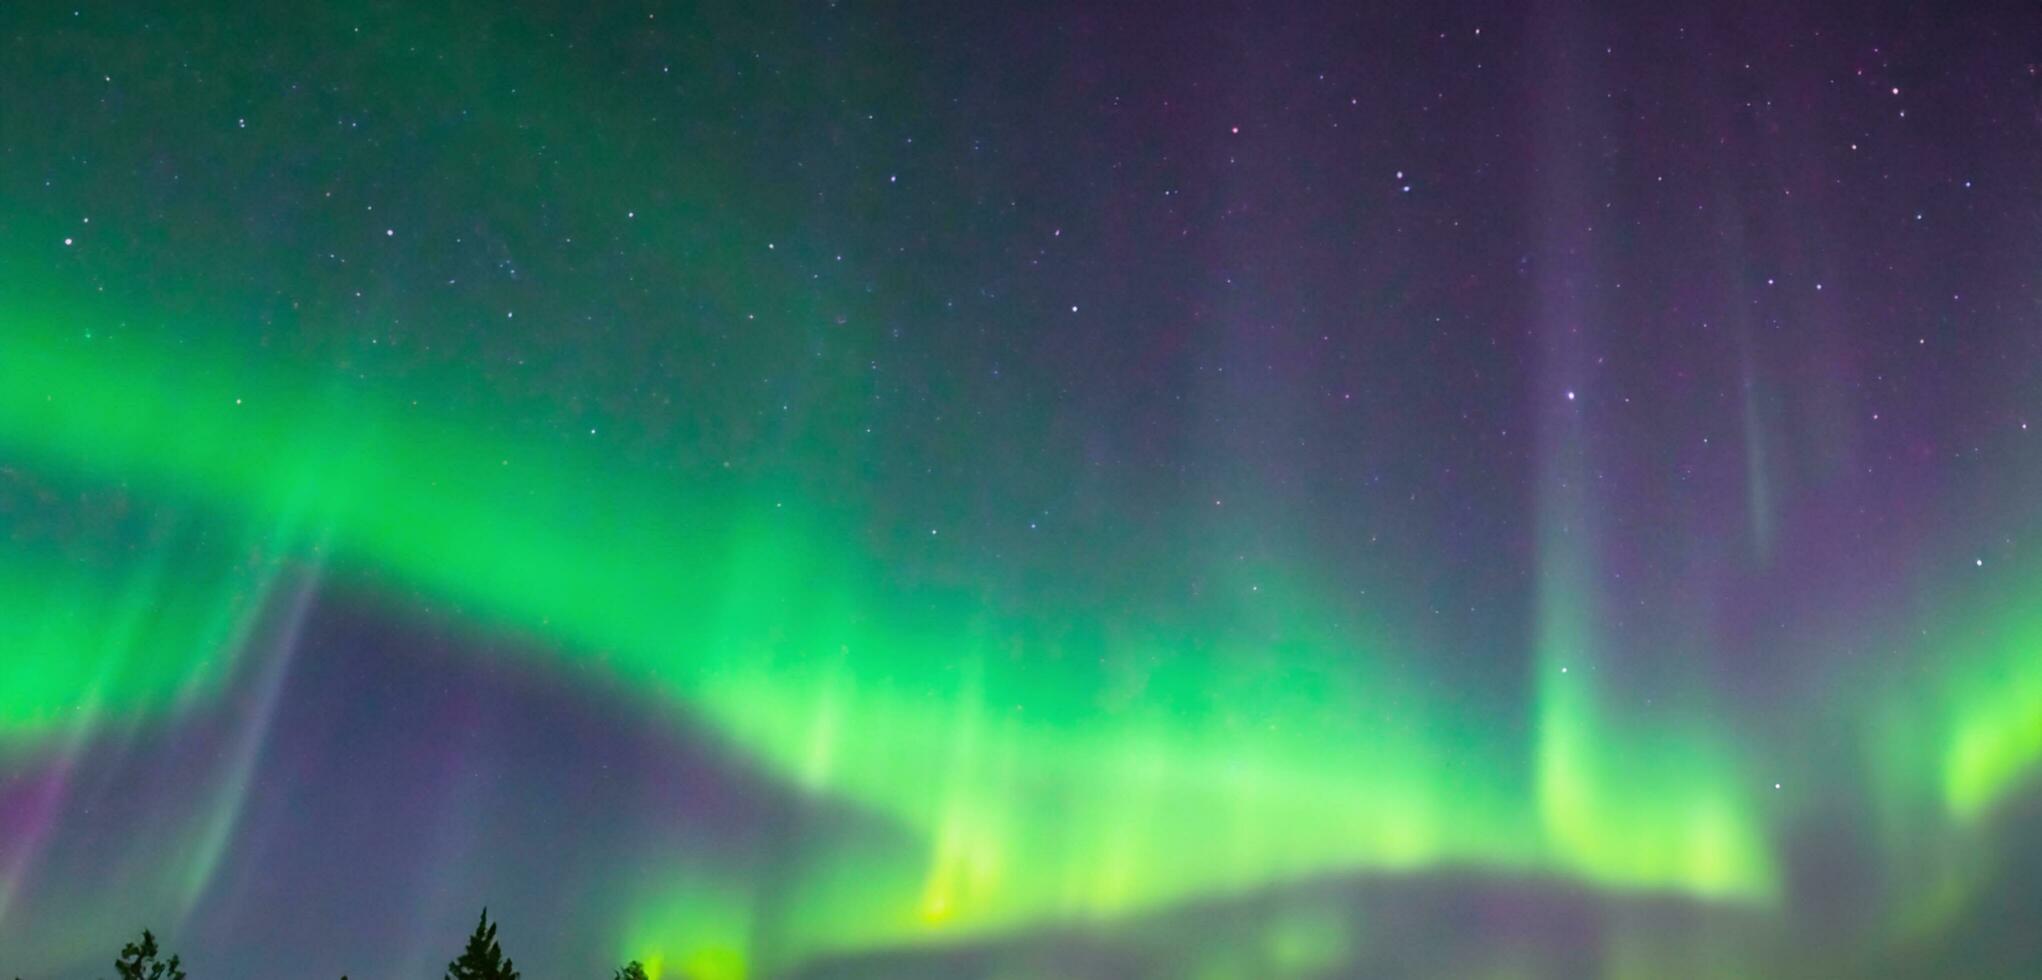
x: 953, y: 721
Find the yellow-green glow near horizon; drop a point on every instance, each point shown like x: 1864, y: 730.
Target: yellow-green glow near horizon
x: 1989, y: 712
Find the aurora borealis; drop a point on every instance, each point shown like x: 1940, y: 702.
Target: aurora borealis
x: 1069, y: 490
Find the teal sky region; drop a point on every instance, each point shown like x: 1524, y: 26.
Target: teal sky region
x: 1070, y: 490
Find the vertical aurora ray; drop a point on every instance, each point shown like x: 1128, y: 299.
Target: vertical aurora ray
x: 230, y: 796
x: 1631, y: 804
x: 113, y: 639
x: 1635, y: 804
x: 1758, y: 485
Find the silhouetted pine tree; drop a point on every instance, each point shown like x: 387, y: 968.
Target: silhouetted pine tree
x: 633, y: 970
x: 483, y: 959
x: 138, y: 962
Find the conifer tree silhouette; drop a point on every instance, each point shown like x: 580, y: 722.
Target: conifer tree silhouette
x: 483, y: 959
x: 633, y: 970
x: 138, y: 962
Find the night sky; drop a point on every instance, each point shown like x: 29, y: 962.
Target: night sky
x: 1004, y: 491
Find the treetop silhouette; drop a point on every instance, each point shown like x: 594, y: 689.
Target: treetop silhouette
x: 138, y: 962
x: 483, y: 959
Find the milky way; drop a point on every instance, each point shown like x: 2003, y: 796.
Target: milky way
x: 1078, y: 490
